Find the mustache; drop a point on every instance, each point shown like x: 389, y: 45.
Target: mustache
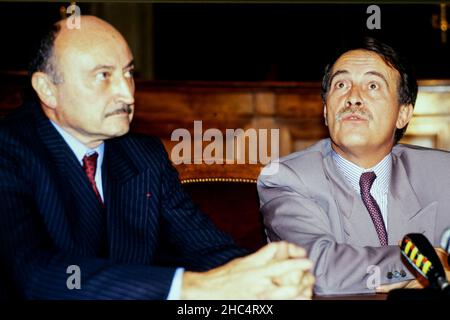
x: 127, y: 108
x: 359, y: 111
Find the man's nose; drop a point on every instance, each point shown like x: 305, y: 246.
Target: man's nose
x: 354, y: 98
x: 124, y: 89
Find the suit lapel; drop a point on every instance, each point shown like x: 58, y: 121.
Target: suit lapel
x: 356, y: 222
x: 125, y: 191
x: 118, y: 162
x: 406, y: 214
x: 126, y: 209
x: 81, y: 206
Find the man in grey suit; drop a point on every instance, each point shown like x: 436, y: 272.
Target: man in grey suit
x: 351, y: 198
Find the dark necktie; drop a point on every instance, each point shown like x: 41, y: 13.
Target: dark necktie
x: 90, y: 166
x: 365, y: 183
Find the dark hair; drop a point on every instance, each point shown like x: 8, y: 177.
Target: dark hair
x: 44, y: 60
x: 407, y: 86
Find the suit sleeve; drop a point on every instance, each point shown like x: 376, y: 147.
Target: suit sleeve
x: 291, y: 214
x: 197, y: 243
x: 39, y: 269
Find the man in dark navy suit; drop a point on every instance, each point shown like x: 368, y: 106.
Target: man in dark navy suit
x: 90, y: 211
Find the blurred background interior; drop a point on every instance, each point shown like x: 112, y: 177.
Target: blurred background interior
x: 242, y: 65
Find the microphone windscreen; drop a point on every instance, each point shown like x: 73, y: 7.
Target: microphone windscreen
x: 421, y: 255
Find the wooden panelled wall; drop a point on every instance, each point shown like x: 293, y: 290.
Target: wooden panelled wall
x: 293, y: 108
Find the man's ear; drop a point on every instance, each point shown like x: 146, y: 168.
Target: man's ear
x: 45, y: 88
x: 325, y: 114
x: 404, y: 115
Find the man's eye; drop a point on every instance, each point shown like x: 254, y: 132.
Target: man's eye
x: 373, y: 86
x: 129, y: 73
x: 102, y: 75
x: 340, y: 85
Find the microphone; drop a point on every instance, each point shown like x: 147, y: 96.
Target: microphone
x: 421, y: 255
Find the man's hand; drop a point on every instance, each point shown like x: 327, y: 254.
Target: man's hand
x: 409, y: 284
x: 417, y: 284
x: 443, y: 256
x: 280, y: 270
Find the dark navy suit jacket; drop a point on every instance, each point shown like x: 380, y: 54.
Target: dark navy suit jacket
x: 50, y: 218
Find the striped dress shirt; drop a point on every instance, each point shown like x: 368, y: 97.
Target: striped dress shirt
x: 380, y: 187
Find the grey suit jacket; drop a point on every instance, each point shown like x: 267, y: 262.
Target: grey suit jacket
x: 308, y: 202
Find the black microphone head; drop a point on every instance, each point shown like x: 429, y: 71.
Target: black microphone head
x: 421, y: 255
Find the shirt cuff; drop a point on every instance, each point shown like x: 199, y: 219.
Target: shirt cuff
x: 175, y: 288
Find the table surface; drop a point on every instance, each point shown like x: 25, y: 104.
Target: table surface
x: 378, y: 296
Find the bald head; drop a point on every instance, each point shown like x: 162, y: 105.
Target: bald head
x: 84, y: 80
x: 92, y: 29
x: 87, y: 22
x: 94, y: 38
x: 59, y: 38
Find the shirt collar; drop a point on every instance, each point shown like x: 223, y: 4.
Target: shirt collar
x: 352, y: 172
x: 78, y: 148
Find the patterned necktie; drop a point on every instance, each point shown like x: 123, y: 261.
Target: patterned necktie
x: 365, y: 183
x: 90, y: 166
